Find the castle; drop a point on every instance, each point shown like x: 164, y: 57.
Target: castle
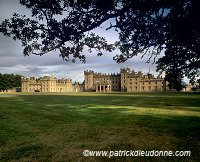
x: 46, y: 84
x: 126, y: 80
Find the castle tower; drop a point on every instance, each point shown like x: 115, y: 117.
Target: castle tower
x: 124, y: 74
x: 89, y: 79
x: 69, y: 87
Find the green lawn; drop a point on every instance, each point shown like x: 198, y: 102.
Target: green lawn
x: 59, y: 126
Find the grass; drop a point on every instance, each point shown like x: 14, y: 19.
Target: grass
x: 59, y: 126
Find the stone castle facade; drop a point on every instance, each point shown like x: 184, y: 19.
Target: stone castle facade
x: 46, y: 84
x: 126, y: 80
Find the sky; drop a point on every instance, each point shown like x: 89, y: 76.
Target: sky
x: 13, y: 61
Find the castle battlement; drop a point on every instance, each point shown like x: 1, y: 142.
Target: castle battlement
x: 127, y: 80
x: 46, y: 84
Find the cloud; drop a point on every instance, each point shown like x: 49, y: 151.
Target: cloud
x: 35, y: 70
x: 13, y: 61
x: 9, y: 7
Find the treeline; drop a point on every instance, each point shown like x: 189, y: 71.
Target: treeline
x: 8, y: 81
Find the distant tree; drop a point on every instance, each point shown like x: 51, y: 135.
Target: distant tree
x: 17, y: 82
x: 8, y: 81
x: 1, y: 82
x: 195, y: 84
x: 175, y: 79
x: 198, y: 81
x: 171, y: 26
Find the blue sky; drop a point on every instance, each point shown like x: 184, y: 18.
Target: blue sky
x: 13, y: 61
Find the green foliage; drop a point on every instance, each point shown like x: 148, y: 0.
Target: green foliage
x: 9, y: 81
x: 172, y: 27
x: 174, y: 76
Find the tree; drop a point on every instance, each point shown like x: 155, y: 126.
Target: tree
x: 195, y: 84
x: 175, y: 79
x: 1, y: 82
x: 8, y: 81
x: 17, y: 82
x: 172, y: 27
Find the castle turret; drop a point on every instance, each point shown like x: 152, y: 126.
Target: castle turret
x: 88, y: 77
x: 124, y: 74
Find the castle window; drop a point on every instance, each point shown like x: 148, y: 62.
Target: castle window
x: 130, y: 83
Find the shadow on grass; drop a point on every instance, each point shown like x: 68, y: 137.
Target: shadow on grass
x: 105, y: 109
x: 56, y: 126
x: 33, y: 151
x: 164, y: 101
